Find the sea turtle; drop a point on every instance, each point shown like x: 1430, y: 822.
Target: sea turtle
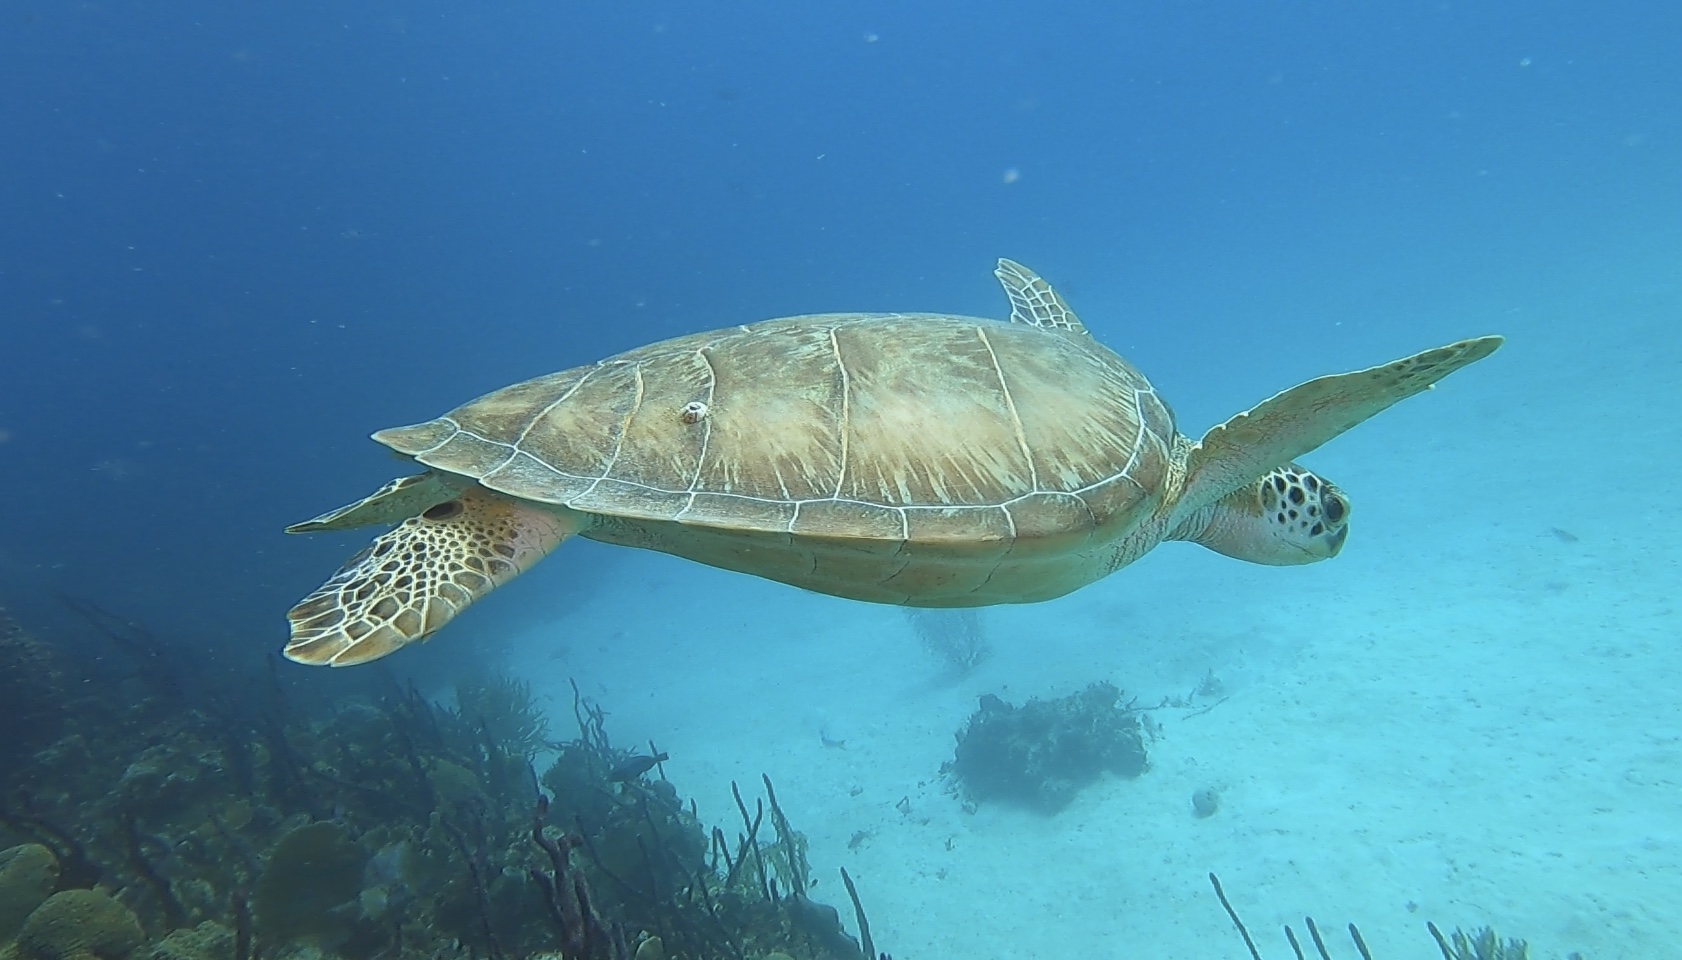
x: 915, y: 459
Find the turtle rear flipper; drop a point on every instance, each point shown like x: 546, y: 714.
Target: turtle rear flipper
x: 415, y: 578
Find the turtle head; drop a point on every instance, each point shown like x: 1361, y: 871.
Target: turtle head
x: 1288, y: 516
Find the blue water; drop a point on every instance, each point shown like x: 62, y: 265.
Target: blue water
x: 236, y: 239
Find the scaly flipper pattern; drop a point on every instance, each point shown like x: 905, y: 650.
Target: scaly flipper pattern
x: 1033, y: 301
x: 418, y: 576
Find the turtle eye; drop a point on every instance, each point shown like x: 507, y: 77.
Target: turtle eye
x: 443, y: 511
x: 1335, y: 508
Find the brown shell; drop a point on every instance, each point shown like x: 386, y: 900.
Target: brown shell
x: 902, y: 428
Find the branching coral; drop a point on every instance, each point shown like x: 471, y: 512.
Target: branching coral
x: 503, y: 706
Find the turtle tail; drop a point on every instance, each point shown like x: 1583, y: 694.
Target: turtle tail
x: 415, y: 578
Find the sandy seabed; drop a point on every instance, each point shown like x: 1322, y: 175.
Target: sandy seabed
x: 1470, y: 717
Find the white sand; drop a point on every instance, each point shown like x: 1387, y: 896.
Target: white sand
x: 1466, y: 718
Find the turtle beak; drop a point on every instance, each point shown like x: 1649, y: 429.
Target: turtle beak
x: 1334, y: 542
x: 1334, y: 505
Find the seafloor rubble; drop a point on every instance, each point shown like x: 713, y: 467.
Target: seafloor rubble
x: 146, y: 812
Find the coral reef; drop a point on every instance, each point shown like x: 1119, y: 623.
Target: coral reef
x: 207, y: 941
x: 179, y: 823
x: 631, y: 869
x: 152, y: 815
x: 1481, y: 944
x: 32, y: 691
x: 78, y: 925
x: 311, y: 871
x: 503, y: 708
x: 28, y: 876
x: 1042, y: 753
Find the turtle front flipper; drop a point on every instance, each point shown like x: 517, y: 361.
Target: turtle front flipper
x: 1278, y: 430
x: 415, y: 578
x: 393, y: 503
